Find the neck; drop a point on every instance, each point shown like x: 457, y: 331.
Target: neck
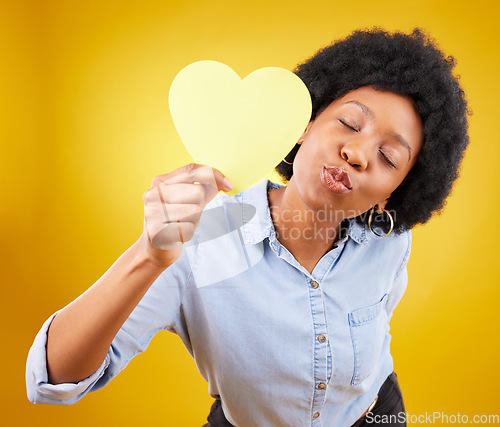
x: 307, y: 234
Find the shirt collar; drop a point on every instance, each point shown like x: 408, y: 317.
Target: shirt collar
x: 256, y: 227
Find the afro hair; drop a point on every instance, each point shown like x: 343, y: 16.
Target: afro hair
x: 406, y: 64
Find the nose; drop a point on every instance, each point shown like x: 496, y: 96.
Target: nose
x: 355, y: 155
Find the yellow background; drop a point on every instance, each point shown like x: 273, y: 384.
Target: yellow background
x: 85, y: 126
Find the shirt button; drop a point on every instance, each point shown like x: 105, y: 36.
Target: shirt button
x: 316, y: 415
x: 321, y: 338
x: 321, y: 386
x: 314, y: 285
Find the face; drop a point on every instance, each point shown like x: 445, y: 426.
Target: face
x: 357, y: 152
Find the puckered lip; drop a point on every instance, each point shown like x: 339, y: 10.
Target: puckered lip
x: 340, y: 174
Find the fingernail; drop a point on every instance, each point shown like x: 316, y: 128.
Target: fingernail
x: 227, y: 184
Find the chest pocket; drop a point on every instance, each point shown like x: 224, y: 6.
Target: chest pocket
x: 368, y: 326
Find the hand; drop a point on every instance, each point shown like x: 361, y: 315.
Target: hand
x: 173, y: 206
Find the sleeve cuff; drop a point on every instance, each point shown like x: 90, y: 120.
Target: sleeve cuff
x: 38, y: 388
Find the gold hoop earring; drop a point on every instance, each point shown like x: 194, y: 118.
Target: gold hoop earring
x: 288, y: 163
x: 370, y: 223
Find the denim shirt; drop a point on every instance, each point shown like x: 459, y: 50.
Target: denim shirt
x: 279, y: 345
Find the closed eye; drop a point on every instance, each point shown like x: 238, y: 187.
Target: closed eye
x: 348, y: 126
x: 387, y: 159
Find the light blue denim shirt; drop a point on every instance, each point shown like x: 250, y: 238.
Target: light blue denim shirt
x: 255, y: 320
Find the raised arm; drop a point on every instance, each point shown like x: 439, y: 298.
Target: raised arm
x: 80, y: 335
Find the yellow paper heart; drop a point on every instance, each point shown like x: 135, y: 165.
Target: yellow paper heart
x: 245, y: 127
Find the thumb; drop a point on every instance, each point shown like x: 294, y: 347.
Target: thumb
x: 223, y: 183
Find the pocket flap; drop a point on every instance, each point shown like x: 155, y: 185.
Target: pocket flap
x: 366, y: 314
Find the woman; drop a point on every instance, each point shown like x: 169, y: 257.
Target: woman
x: 283, y: 294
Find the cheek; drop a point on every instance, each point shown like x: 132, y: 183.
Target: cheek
x: 307, y: 159
x: 376, y: 189
x: 382, y: 188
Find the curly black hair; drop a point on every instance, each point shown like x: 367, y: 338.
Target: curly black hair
x: 406, y: 64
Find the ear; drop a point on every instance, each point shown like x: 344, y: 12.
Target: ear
x: 301, y: 139
x: 381, y: 206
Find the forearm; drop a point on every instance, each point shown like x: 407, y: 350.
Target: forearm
x: 80, y: 335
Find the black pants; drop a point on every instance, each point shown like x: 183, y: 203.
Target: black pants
x: 388, y: 411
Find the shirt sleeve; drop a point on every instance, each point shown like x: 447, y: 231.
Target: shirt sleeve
x: 159, y: 309
x: 400, y: 282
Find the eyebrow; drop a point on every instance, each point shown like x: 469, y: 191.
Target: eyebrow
x: 370, y: 114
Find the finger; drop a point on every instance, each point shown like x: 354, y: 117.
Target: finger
x: 155, y: 221
x: 210, y: 178
x: 173, y: 213
x: 171, y: 174
x: 192, y: 173
x: 182, y: 193
x: 175, y: 194
x: 192, y: 199
x: 160, y: 213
